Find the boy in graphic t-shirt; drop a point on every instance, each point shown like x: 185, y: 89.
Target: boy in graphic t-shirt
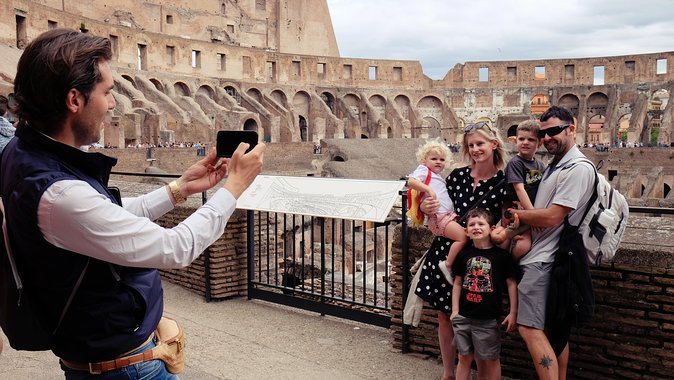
x: 482, y: 272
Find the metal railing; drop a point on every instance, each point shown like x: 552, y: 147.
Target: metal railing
x: 336, y: 267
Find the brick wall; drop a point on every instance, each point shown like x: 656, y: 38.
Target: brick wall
x: 227, y: 259
x: 632, y: 334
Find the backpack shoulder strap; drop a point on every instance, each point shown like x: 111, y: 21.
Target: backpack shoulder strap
x: 572, y: 162
x: 428, y: 176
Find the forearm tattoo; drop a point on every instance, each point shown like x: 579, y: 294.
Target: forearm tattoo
x: 545, y: 362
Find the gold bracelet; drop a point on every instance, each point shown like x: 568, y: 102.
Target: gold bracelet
x: 175, y: 191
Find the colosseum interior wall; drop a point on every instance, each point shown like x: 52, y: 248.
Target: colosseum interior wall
x: 186, y: 69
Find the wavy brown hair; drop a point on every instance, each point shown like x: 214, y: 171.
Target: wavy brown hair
x: 51, y: 65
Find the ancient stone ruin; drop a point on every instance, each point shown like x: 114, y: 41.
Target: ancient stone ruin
x: 186, y: 69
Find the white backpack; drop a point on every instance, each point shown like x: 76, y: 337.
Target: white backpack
x: 604, y: 220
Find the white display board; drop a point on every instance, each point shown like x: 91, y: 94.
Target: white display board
x: 326, y: 197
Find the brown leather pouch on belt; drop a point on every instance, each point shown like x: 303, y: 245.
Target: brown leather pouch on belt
x: 170, y: 344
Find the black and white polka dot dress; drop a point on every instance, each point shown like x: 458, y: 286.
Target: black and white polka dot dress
x: 432, y: 286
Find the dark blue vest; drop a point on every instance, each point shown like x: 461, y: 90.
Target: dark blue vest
x: 115, y: 308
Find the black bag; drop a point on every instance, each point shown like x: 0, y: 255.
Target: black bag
x: 18, y: 313
x: 570, y: 294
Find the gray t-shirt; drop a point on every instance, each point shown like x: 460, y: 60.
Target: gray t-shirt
x: 526, y: 172
x: 571, y: 187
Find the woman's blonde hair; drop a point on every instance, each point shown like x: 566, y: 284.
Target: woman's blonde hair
x: 486, y: 131
x: 433, y: 146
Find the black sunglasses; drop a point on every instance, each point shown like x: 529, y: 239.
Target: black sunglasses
x: 552, y: 131
x: 479, y: 125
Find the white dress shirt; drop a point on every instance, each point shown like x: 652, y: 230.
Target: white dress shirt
x: 72, y: 215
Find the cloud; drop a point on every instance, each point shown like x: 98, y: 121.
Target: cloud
x: 441, y: 34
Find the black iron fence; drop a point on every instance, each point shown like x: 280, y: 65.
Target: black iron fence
x: 331, y: 266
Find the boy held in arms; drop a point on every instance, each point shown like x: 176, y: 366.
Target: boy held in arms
x: 524, y: 173
x: 433, y: 156
x: 482, y: 271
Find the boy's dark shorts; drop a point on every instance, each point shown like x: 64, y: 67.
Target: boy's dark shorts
x: 482, y: 336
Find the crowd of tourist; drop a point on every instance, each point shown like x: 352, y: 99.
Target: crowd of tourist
x: 603, y: 147
x: 164, y: 144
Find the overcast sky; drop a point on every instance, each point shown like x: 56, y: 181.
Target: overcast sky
x: 442, y: 33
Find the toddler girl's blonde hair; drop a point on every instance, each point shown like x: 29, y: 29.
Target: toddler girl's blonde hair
x: 433, y: 146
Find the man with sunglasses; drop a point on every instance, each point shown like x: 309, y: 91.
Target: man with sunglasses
x: 557, y: 198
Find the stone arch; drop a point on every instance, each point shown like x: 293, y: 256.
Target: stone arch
x: 255, y: 94
x: 250, y: 125
x: 430, y: 111
x: 657, y: 105
x: 329, y: 100
x: 206, y: 90
x: 157, y: 84
x: 304, y: 129
x: 432, y: 126
x: 403, y: 103
x: 623, y: 128
x: 597, y: 104
x: 280, y: 97
x: 430, y: 101
x: 377, y: 123
x: 353, y: 102
x: 301, y: 107
x: 348, y: 111
x: 378, y: 102
x: 301, y: 102
x: 389, y: 132
x: 234, y: 93
x: 511, y: 134
x: 570, y: 102
x: 128, y: 78
x: 181, y: 88
x: 596, y: 133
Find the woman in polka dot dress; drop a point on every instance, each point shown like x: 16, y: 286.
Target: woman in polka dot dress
x: 483, y: 148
